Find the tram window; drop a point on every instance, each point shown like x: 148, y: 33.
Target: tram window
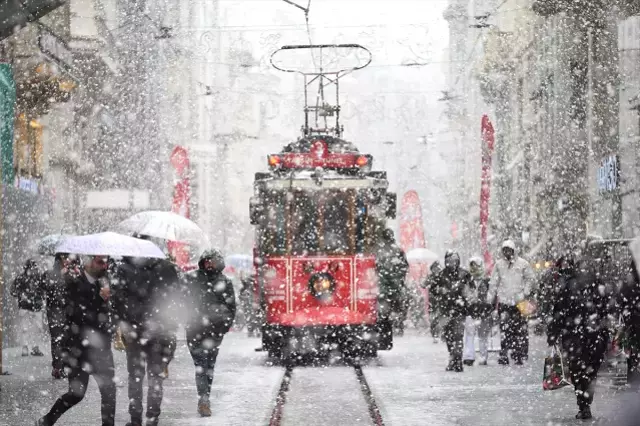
x: 273, y: 232
x: 337, y: 226
x: 304, y: 225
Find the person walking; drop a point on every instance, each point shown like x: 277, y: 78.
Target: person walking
x: 451, y: 288
x: 87, y: 341
x: 54, y: 289
x: 145, y: 300
x: 26, y: 288
x: 510, y: 284
x: 479, y: 319
x: 579, y: 326
x: 434, y: 315
x: 214, y: 301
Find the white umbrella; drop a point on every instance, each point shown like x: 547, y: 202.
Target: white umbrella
x: 421, y: 255
x: 110, y: 244
x: 166, y: 225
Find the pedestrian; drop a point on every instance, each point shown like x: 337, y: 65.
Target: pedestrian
x: 145, y: 301
x: 54, y: 289
x: 451, y: 288
x: 511, y: 283
x: 87, y: 341
x: 26, y: 287
x: 629, y: 304
x: 392, y: 267
x: 246, y: 301
x: 579, y: 326
x: 434, y: 315
x: 214, y: 302
x: 479, y: 319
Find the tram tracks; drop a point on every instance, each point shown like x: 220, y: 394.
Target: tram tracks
x: 373, y: 409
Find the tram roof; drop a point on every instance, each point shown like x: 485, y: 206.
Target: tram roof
x: 334, y: 145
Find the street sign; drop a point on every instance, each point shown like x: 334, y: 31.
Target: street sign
x: 608, y: 174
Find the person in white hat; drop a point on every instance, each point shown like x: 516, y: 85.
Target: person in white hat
x: 511, y: 283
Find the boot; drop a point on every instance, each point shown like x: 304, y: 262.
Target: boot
x: 468, y: 362
x: 455, y: 365
x: 58, y: 373
x: 134, y: 423
x: 503, y: 359
x: 584, y: 414
x: 204, y: 408
x: 25, y: 350
x: 36, y: 351
x: 42, y: 422
x: 151, y: 422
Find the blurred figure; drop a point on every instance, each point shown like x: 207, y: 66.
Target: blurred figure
x: 246, y: 301
x: 579, y: 326
x: 27, y: 289
x: 511, y: 283
x: 629, y: 304
x: 87, y: 341
x: 146, y: 298
x: 479, y: 318
x: 451, y: 288
x: 215, y: 310
x: 392, y: 267
x: 54, y: 289
x: 434, y: 315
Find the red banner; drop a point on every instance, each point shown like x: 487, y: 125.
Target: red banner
x: 180, y: 205
x: 411, y: 238
x: 488, y: 143
x: 411, y: 226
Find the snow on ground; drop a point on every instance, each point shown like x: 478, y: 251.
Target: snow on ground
x: 325, y: 396
x: 409, y: 384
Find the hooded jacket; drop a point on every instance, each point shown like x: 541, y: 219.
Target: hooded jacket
x: 512, y: 280
x: 451, y: 289
x: 213, y: 298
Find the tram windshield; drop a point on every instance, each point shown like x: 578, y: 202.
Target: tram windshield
x: 319, y: 222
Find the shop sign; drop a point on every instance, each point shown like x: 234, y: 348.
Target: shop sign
x: 609, y: 174
x: 28, y: 185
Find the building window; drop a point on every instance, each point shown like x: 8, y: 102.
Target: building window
x: 28, y: 147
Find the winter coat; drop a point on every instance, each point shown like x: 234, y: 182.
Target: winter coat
x: 511, y: 281
x: 147, y: 296
x: 392, y: 267
x: 580, y: 306
x: 478, y: 298
x: 214, y: 302
x: 451, y: 290
x: 26, y: 287
x: 87, y: 314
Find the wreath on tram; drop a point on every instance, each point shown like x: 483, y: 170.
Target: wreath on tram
x: 322, y: 285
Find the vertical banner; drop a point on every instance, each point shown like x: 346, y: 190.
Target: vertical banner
x: 7, y: 115
x: 181, y: 197
x: 488, y: 143
x: 413, y: 243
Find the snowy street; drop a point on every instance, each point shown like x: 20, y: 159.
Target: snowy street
x: 409, y: 386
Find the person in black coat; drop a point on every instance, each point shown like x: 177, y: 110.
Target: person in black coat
x: 146, y: 302
x: 579, y: 326
x: 450, y: 289
x: 214, y: 300
x: 87, y: 341
x: 53, y: 287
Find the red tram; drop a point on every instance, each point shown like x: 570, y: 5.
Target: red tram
x: 318, y: 212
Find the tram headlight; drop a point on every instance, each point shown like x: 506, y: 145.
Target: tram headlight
x: 322, y: 285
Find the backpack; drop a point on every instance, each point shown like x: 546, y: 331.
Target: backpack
x: 26, y: 289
